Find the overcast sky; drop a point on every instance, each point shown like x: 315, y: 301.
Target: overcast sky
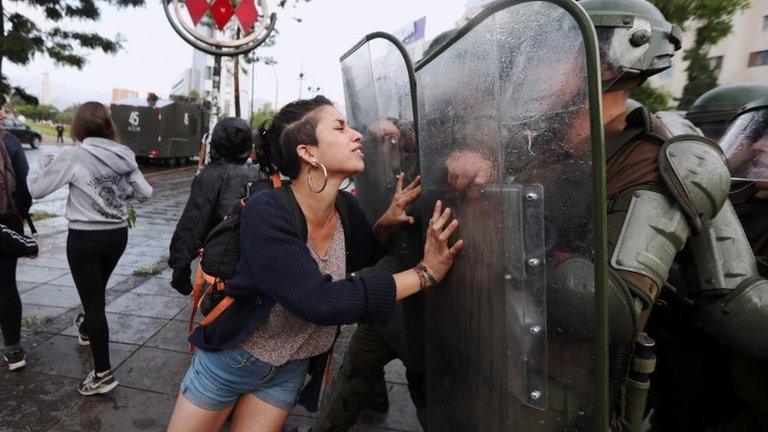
x: 154, y: 56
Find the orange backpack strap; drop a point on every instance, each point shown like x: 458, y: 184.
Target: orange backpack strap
x: 276, y: 180
x: 221, y: 307
x: 197, y: 293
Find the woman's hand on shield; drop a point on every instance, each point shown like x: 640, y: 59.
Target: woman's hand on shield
x: 396, y: 213
x: 438, y: 253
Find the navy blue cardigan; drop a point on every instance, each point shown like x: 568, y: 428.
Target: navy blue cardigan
x: 276, y: 267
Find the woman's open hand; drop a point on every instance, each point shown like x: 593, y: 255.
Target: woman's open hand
x: 395, y: 214
x: 438, y: 256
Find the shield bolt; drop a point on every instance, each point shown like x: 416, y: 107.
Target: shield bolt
x: 535, y: 330
x: 533, y: 262
x: 530, y: 196
x: 535, y: 395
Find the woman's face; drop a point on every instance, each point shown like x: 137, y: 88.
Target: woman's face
x: 339, y: 147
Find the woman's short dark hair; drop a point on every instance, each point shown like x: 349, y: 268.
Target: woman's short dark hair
x: 92, y: 120
x: 293, y: 125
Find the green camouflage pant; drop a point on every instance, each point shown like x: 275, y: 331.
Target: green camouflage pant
x: 358, y: 380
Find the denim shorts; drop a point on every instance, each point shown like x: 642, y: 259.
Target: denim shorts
x: 216, y: 379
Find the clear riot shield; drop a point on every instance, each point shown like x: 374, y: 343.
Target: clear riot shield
x: 511, y: 139
x: 379, y: 88
x: 380, y: 93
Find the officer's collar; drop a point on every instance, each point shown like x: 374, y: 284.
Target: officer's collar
x: 639, y: 118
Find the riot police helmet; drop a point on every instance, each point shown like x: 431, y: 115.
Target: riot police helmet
x: 745, y: 144
x: 439, y: 41
x: 635, y: 40
x: 714, y: 111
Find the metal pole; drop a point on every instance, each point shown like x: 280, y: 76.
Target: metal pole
x: 236, y: 79
x: 253, y: 64
x: 216, y: 78
x: 274, y: 71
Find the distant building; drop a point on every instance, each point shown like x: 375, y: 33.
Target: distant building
x: 742, y: 56
x: 412, y: 37
x: 188, y: 81
x: 120, y: 94
x: 199, y: 77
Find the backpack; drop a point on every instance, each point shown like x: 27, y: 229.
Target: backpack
x: 7, y: 181
x: 221, y: 250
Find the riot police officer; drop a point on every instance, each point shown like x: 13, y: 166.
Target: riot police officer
x: 713, y: 111
x: 668, y: 190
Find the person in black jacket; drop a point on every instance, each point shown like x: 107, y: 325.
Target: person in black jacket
x: 10, y: 302
x: 215, y: 191
x: 15, y: 245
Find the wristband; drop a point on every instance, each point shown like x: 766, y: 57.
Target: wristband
x: 423, y: 269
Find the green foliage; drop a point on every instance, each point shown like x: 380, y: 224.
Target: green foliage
x: 131, y: 216
x: 653, y: 98
x: 21, y: 39
x: 41, y: 215
x: 701, y: 77
x: 68, y: 114
x: 711, y: 21
x: 193, y: 95
x: 260, y: 117
x: 37, y: 112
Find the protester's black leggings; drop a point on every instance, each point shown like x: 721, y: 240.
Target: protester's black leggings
x: 10, y: 303
x: 92, y: 257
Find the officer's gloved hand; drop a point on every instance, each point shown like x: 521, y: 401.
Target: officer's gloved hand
x: 181, y: 282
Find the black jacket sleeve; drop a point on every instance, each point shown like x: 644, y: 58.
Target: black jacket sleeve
x: 20, y: 169
x: 15, y: 245
x: 193, y: 226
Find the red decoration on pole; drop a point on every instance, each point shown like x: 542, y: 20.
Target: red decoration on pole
x: 196, y: 9
x: 222, y: 12
x: 247, y: 14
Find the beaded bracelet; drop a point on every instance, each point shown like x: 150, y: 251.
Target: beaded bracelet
x: 422, y: 271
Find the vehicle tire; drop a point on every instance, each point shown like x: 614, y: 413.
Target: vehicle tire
x: 170, y: 162
x: 35, y: 142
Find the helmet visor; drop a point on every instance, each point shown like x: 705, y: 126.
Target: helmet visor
x: 745, y: 146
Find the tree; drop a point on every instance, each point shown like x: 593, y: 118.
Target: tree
x: 21, y: 39
x: 712, y: 21
x: 37, y: 112
x: 653, y: 98
x: 260, y: 117
x: 68, y: 114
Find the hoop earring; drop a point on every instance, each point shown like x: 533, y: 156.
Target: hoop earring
x: 325, y: 178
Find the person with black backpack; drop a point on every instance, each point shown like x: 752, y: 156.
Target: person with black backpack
x: 15, y: 201
x: 299, y: 246
x: 215, y: 192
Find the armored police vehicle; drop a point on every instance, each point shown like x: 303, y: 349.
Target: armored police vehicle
x: 166, y: 131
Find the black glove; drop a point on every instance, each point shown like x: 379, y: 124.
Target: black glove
x: 181, y: 282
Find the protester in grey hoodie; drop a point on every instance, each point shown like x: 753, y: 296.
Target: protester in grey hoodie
x: 102, y: 174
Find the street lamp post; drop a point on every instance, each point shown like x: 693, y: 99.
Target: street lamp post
x: 274, y: 71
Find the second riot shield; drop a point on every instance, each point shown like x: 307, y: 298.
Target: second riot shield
x: 380, y: 93
x: 506, y: 141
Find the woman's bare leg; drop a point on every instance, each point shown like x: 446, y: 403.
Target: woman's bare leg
x: 188, y: 417
x: 254, y: 415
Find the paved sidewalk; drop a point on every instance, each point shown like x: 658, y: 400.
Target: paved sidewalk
x: 148, y: 329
